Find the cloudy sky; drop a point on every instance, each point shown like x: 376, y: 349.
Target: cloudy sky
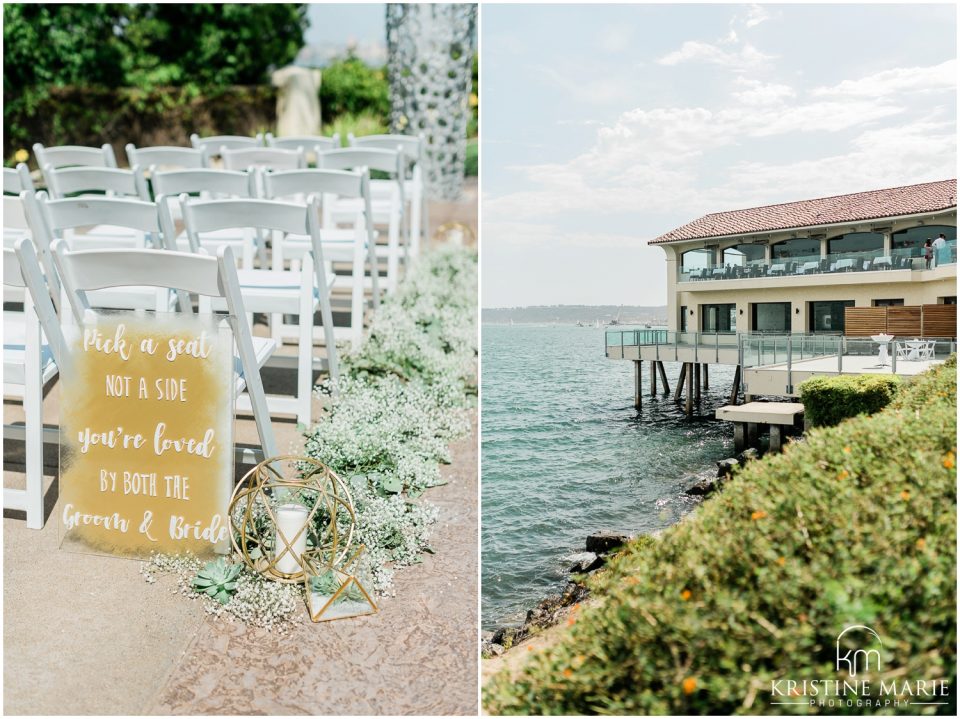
x: 606, y: 126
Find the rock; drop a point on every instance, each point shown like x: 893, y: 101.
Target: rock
x: 704, y: 487
x: 574, y: 593
x: 585, y: 562
x: 603, y: 542
x: 504, y: 636
x: 491, y: 649
x: 748, y: 455
x: 726, y: 467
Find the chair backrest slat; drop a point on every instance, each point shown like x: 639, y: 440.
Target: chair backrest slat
x: 61, y: 182
x: 412, y: 145
x: 273, y: 158
x: 74, y: 155
x: 289, y: 183
x: 210, y: 146
x: 212, y: 215
x: 164, y: 157
x: 307, y: 142
x: 73, y: 212
x: 220, y: 182
x: 17, y: 180
x: 21, y: 269
x: 351, y: 158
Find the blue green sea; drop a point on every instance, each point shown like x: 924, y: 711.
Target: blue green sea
x: 564, y: 454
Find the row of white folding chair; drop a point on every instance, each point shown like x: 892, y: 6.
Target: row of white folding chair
x: 15, y: 224
x: 414, y: 150
x: 31, y: 359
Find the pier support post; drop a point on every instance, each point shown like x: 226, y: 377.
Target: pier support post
x: 747, y: 398
x: 653, y: 378
x: 735, y: 392
x: 739, y: 440
x: 663, y: 378
x: 706, y: 376
x: 688, y: 407
x: 752, y: 434
x: 680, y: 382
x: 696, y: 385
x: 776, y: 443
x: 637, y: 401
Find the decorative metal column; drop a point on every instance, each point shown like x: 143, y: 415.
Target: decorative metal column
x: 431, y: 51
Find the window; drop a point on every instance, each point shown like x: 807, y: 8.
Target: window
x: 887, y: 303
x: 718, y: 318
x: 855, y: 242
x: 695, y: 260
x: 741, y: 255
x: 792, y: 249
x: 683, y: 318
x: 911, y: 240
x: 950, y: 300
x: 771, y: 316
x: 828, y: 316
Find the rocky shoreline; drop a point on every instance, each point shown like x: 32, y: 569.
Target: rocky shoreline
x: 599, y: 548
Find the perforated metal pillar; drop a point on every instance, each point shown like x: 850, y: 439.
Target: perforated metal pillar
x: 431, y: 51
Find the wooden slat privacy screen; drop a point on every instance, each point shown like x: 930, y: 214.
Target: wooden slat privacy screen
x: 904, y: 321
x: 939, y: 321
x: 864, y: 321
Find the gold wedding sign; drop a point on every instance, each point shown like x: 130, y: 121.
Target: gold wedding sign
x: 146, y: 435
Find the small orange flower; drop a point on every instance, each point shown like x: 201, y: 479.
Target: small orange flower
x: 689, y: 685
x: 575, y: 607
x: 802, y: 617
x: 529, y: 649
x: 948, y: 460
x: 905, y: 496
x: 571, y: 621
x: 782, y: 561
x: 921, y: 543
x: 568, y: 672
x: 686, y: 594
x: 843, y: 474
x: 846, y: 450
x: 759, y: 514
x: 632, y: 580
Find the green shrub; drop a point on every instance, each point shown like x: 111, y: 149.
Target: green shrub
x: 351, y: 87
x: 366, y: 123
x: 472, y: 162
x: 830, y: 400
x: 856, y: 525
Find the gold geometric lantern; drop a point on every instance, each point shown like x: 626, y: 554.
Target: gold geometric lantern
x: 332, y: 593
x: 279, y: 516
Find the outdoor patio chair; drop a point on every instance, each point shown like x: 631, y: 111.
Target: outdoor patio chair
x: 164, y: 158
x: 902, y: 351
x: 211, y: 146
x: 311, y: 145
x: 208, y: 184
x: 355, y: 245
x: 388, y: 209
x: 279, y: 291
x: 929, y: 350
x: 32, y: 344
x: 271, y: 158
x: 213, y: 279
x: 95, y: 181
x: 414, y: 150
x: 132, y: 220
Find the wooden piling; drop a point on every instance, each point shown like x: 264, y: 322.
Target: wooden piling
x: 653, y: 378
x: 688, y: 407
x: 663, y: 378
x: 706, y: 376
x: 735, y: 392
x: 696, y: 382
x: 637, y: 401
x: 680, y: 382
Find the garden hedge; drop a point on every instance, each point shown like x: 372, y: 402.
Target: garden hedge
x: 829, y: 400
x: 855, y: 525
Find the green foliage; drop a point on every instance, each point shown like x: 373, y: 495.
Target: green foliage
x: 351, y: 87
x: 472, y: 162
x: 366, y: 123
x: 830, y: 400
x: 217, y: 579
x: 856, y: 525
x: 328, y: 583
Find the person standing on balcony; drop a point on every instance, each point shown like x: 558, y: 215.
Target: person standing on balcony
x: 938, y: 245
x: 928, y: 252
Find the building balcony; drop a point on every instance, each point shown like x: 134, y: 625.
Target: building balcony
x: 847, y: 265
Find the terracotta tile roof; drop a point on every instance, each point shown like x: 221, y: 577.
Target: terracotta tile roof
x: 876, y: 204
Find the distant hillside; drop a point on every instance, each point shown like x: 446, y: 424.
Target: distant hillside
x: 571, y: 314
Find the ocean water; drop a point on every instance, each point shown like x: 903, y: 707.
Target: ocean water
x: 564, y: 454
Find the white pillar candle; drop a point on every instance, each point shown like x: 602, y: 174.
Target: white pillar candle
x: 291, y: 520
x: 455, y: 236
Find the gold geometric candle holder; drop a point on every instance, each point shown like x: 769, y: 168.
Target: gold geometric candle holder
x: 332, y: 593
x: 278, y: 517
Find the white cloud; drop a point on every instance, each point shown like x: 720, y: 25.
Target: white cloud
x: 695, y: 51
x: 942, y: 77
x: 760, y: 93
x: 756, y: 15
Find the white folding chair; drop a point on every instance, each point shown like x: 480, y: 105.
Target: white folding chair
x: 15, y: 225
x: 73, y: 156
x: 169, y: 187
x: 32, y: 344
x: 387, y: 211
x: 210, y: 146
x: 54, y: 220
x: 213, y: 279
x: 311, y: 145
x: 414, y: 150
x: 355, y: 245
x: 164, y: 158
x: 279, y: 291
x: 271, y: 158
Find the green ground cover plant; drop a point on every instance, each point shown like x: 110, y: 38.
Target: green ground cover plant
x: 855, y: 525
x: 830, y: 400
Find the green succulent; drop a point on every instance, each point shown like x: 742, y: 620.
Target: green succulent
x: 329, y: 583
x: 217, y: 579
